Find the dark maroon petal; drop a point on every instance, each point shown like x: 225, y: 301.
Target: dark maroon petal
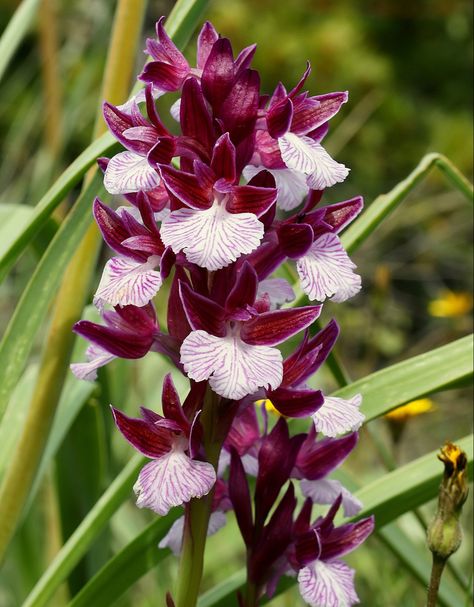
x: 195, y: 119
x: 163, y: 75
x: 218, y: 73
x: 223, y: 158
x: 144, y: 436
x: 295, y: 239
x: 177, y: 322
x: 339, y: 215
x: 169, y: 600
x: 250, y: 199
x: 274, y: 327
x: 273, y: 470
x: 148, y: 244
x: 346, y: 538
x: 159, y: 127
x: 267, y: 257
x: 140, y: 320
x: 244, y: 58
x: 117, y: 121
x: 317, y: 459
x: 240, y: 497
x: 279, y: 118
x: 162, y: 151
x: 186, y: 187
x: 202, y: 313
x: 172, y: 405
x: 296, y: 403
x: 301, y: 81
x: 302, y: 521
x: 274, y: 540
x: 310, y: 118
x: 103, y: 163
x: 143, y: 203
x: 307, y: 547
x: 326, y: 525
x: 263, y: 179
x: 314, y: 197
x: 239, y: 110
x: 206, y: 39
x: 244, y: 291
x: 112, y: 228
x: 244, y: 432
x: 268, y: 150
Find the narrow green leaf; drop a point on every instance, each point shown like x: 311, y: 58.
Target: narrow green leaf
x: 385, y: 204
x: 128, y: 566
x: 13, y: 219
x: 38, y: 294
x: 54, y: 196
x: 15, y: 31
x: 387, y: 498
x: 79, y: 542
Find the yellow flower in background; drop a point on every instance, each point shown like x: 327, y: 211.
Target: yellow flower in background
x: 450, y: 304
x: 267, y: 403
x: 416, y: 407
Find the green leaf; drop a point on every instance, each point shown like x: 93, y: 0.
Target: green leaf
x: 54, y: 196
x: 40, y: 291
x: 13, y: 219
x: 79, y: 542
x: 387, y: 498
x: 15, y: 31
x: 128, y: 566
x: 385, y: 204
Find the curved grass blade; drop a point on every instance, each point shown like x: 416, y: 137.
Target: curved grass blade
x: 79, y: 542
x: 128, y: 566
x: 388, y: 498
x: 40, y: 291
x: 15, y: 31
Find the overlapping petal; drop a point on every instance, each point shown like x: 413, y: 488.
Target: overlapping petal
x: 129, y: 172
x: 338, y: 415
x: 323, y: 584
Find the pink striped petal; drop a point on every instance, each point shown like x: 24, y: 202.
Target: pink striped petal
x: 96, y: 357
x: 327, y: 271
x: 128, y: 172
x: 128, y: 282
x: 326, y: 491
x: 211, y: 238
x: 338, y: 416
x: 291, y: 185
x: 172, y: 480
x: 278, y: 290
x: 234, y: 368
x: 324, y: 584
x: 304, y: 155
x: 174, y: 538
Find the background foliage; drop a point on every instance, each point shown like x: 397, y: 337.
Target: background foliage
x: 408, y: 70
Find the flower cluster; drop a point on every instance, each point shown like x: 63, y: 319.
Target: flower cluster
x: 214, y: 211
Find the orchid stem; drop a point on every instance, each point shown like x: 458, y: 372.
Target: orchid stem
x: 198, y: 511
x: 436, y: 573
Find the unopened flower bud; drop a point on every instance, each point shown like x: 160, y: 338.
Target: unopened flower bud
x: 445, y: 533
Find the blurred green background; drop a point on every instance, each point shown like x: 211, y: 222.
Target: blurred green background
x: 408, y: 68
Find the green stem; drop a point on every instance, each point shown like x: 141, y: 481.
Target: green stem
x: 198, y: 511
x: 70, y: 299
x: 436, y: 573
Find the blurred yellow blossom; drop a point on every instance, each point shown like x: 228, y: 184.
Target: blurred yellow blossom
x: 450, y: 304
x: 267, y: 403
x: 416, y: 407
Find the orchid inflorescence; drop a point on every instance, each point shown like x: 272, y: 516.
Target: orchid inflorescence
x: 215, y: 210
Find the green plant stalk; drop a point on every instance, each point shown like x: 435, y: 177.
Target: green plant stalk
x: 435, y: 580
x: 70, y: 299
x: 198, y: 511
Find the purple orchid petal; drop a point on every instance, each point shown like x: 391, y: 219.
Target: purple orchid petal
x: 202, y: 313
x: 111, y: 226
x: 245, y: 57
x: 291, y: 185
x: 296, y: 403
x: 325, y: 491
x: 206, y: 39
x: 144, y: 436
x: 305, y: 156
x: 318, y: 111
x: 213, y: 238
x: 244, y: 291
x: 96, y: 357
x: 240, y: 497
x: 223, y: 158
x: 327, y: 271
x: 251, y: 199
x: 175, y: 110
x: 162, y: 152
x: 295, y: 239
x: 218, y: 73
x: 239, y: 110
x: 187, y: 188
x: 338, y: 416
x: 307, y: 547
x: 271, y: 328
x: 327, y: 584
x: 127, y: 282
x: 195, y: 119
x: 339, y: 215
x: 346, y: 538
x: 244, y: 432
x: 279, y: 118
x: 172, y: 480
x: 172, y: 406
x: 233, y: 368
x: 129, y: 172
x: 163, y: 75
x: 164, y: 49
x: 316, y: 459
x: 118, y: 122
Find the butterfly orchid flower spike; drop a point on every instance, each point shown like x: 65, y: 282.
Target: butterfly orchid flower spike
x: 214, y: 211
